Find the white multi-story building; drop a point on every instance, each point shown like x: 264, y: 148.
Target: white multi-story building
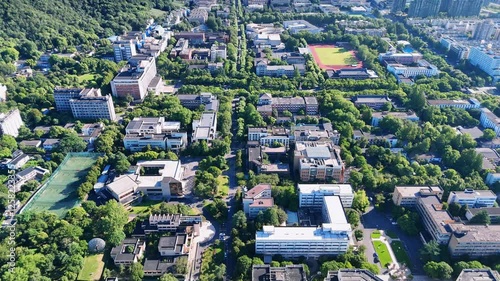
x: 474, y: 240
x: 473, y: 198
x: 10, y: 123
x: 406, y: 196
x: 465, y: 104
x: 206, y: 127
x: 332, y: 238
x: 423, y: 68
x: 135, y: 79
x: 311, y: 195
x: 489, y: 120
x: 154, y: 132
x: 218, y: 51
x: 377, y: 116
x: 90, y: 104
x: 268, y: 137
x: 160, y: 179
x: 487, y: 60
x: 262, y: 68
x: 296, y: 26
x: 257, y: 199
x: 124, y: 50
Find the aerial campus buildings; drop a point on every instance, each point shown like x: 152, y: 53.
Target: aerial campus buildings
x: 333, y: 237
x: 154, y: 132
x: 85, y: 103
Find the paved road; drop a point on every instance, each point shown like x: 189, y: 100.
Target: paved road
x: 374, y: 219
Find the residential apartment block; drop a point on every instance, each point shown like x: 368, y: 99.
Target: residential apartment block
x: 10, y: 123
x: 266, y: 104
x: 85, y: 103
x: 258, y: 199
x: 465, y: 104
x: 154, y: 132
x: 160, y: 179
x: 410, y: 116
x: 406, y: 196
x: 473, y: 198
x: 312, y: 195
x: 268, y: 137
x: 205, y: 128
x: 487, y: 60
x: 489, y: 120
x: 424, y: 8
x: 134, y: 79
x: 318, y: 161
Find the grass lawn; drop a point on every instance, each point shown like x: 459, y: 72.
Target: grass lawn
x: 92, y: 268
x: 382, y: 252
x: 86, y: 77
x: 157, y: 13
x: 375, y: 234
x: 223, y: 185
x: 391, y: 234
x: 400, y: 253
x: 143, y: 207
x: 335, y: 56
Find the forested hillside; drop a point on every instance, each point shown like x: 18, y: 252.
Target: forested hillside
x: 59, y: 23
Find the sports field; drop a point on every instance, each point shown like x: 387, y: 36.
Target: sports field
x: 92, y: 268
x: 58, y: 194
x: 330, y: 57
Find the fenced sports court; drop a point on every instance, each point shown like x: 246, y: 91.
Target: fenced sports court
x: 58, y: 194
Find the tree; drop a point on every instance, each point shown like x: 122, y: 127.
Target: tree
x: 353, y: 217
x: 360, y: 201
x: 481, y: 217
x: 438, y: 270
x: 240, y: 220
x: 454, y: 209
x: 409, y: 223
x: 358, y: 233
x: 243, y: 265
x: 109, y: 222
x: 489, y: 134
x: 431, y: 251
x: 181, y: 265
x: 71, y: 143
x: 417, y: 99
x: 136, y: 271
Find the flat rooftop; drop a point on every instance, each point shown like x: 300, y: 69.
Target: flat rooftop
x: 441, y: 217
x: 300, y: 233
x: 478, y: 275
x: 335, y: 209
x: 412, y: 190
x: 473, y: 194
x: 491, y: 116
x: 322, y: 188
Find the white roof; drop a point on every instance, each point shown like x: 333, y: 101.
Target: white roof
x: 335, y: 210
x: 301, y: 233
x: 123, y: 184
x: 335, y: 188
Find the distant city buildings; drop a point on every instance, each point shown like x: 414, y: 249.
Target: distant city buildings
x: 487, y: 60
x: 10, y: 123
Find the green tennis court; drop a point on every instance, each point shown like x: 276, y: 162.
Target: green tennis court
x: 58, y: 194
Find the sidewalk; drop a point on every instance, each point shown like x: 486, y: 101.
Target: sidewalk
x: 395, y: 268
